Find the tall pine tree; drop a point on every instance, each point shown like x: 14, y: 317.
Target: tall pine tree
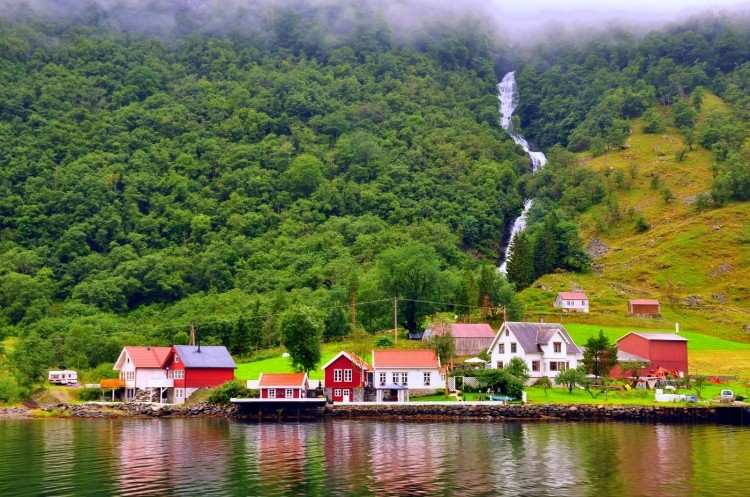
x: 520, y: 261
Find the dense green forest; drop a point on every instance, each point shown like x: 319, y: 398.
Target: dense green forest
x: 150, y: 181
x: 147, y: 183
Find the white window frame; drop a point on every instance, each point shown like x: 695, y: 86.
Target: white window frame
x: 179, y: 374
x: 179, y: 393
x: 337, y: 392
x: 404, y: 379
x: 347, y: 375
x: 271, y: 393
x: 289, y: 393
x: 501, y: 348
x: 557, y: 347
x: 427, y: 377
x: 338, y: 375
x: 383, y: 379
x: 513, y: 348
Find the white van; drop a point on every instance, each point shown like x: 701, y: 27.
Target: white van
x: 65, y: 377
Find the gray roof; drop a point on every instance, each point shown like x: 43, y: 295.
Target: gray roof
x: 205, y: 356
x: 531, y: 335
x: 623, y: 356
x: 659, y: 336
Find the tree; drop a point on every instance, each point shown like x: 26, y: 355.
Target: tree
x: 29, y: 360
x: 412, y: 274
x: 599, y: 355
x: 545, y: 383
x: 239, y: 340
x: 302, y: 334
x: 520, y: 264
x: 443, y: 345
x: 633, y: 367
x: 572, y: 377
x: 518, y: 368
x: 698, y: 380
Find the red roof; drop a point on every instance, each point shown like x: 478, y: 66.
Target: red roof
x: 281, y: 380
x: 354, y: 358
x: 147, y: 357
x: 573, y: 296
x: 464, y: 330
x: 644, y: 301
x: 404, y: 359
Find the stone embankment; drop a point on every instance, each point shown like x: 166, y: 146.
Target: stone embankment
x: 144, y: 410
x: 539, y: 412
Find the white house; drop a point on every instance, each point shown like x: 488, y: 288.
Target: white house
x: 140, y: 368
x: 396, y: 372
x: 546, y: 347
x: 572, y: 301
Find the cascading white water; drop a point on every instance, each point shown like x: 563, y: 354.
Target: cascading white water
x: 508, y: 95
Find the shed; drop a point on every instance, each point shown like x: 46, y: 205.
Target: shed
x: 644, y: 307
x: 469, y: 339
x: 283, y: 385
x: 667, y: 351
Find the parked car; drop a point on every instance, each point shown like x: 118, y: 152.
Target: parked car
x: 726, y: 396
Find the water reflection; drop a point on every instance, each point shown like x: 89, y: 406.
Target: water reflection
x: 219, y: 457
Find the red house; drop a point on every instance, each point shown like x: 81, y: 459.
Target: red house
x: 283, y: 385
x: 667, y: 351
x: 644, y: 307
x: 193, y: 367
x: 344, y: 375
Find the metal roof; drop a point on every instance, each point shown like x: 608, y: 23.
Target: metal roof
x: 464, y: 330
x: 404, y: 359
x: 143, y: 357
x: 205, y: 356
x: 671, y: 337
x: 531, y: 335
x: 282, y: 380
x: 573, y: 295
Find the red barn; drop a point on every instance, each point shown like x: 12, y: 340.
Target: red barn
x: 663, y: 350
x: 344, y: 374
x: 193, y: 367
x: 283, y: 385
x: 644, y: 307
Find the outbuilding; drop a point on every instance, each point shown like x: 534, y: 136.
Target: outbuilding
x: 663, y: 351
x: 469, y: 339
x: 283, y: 385
x: 572, y: 302
x: 644, y: 307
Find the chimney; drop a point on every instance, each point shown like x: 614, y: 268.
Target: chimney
x: 199, y: 345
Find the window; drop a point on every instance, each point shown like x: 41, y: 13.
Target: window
x: 122, y: 375
x: 507, y: 333
x: 179, y: 393
x: 337, y: 393
x: 179, y: 374
x: 512, y: 348
x: 348, y: 375
x: 404, y: 379
x: 553, y: 366
x: 499, y: 364
x: 289, y: 393
x: 337, y: 375
x: 382, y: 379
x: 501, y: 348
x: 557, y: 347
x: 558, y: 366
x: 427, y: 379
x: 535, y: 365
x: 271, y: 393
x: 394, y: 378
x: 176, y: 358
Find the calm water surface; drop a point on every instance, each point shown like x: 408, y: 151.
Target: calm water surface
x: 221, y: 457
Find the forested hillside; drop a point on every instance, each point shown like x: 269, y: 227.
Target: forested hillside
x: 147, y: 183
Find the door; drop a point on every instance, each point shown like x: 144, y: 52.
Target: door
x: 345, y: 395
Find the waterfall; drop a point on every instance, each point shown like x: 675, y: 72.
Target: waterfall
x: 507, y: 93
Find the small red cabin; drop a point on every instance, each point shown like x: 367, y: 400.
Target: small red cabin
x: 644, y: 307
x: 344, y: 374
x: 283, y: 385
x: 664, y: 351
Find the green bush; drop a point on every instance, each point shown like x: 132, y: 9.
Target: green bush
x: 90, y: 394
x: 9, y: 390
x: 384, y: 341
x: 223, y: 393
x: 641, y: 225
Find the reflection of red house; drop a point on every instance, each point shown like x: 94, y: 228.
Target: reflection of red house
x: 343, y: 374
x: 644, y: 307
x: 663, y: 350
x: 193, y: 367
x: 283, y: 385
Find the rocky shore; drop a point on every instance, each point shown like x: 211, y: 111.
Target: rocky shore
x: 478, y: 411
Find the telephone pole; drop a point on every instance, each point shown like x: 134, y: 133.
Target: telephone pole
x: 395, y: 319
x: 192, y: 334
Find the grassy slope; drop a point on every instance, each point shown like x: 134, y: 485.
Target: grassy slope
x: 675, y: 259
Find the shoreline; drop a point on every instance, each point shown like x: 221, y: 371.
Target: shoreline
x: 412, y: 411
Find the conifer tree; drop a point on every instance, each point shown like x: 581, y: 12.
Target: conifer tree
x: 520, y: 261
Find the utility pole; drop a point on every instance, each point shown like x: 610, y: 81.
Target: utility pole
x: 192, y: 334
x: 395, y: 319
x: 505, y: 314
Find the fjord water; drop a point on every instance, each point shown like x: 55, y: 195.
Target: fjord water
x: 130, y: 457
x: 507, y: 93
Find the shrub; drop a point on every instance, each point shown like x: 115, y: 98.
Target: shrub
x: 90, y: 394
x: 641, y: 225
x: 9, y: 390
x: 223, y: 393
x: 384, y: 341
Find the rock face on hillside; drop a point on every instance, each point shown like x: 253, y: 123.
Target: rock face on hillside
x: 597, y: 248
